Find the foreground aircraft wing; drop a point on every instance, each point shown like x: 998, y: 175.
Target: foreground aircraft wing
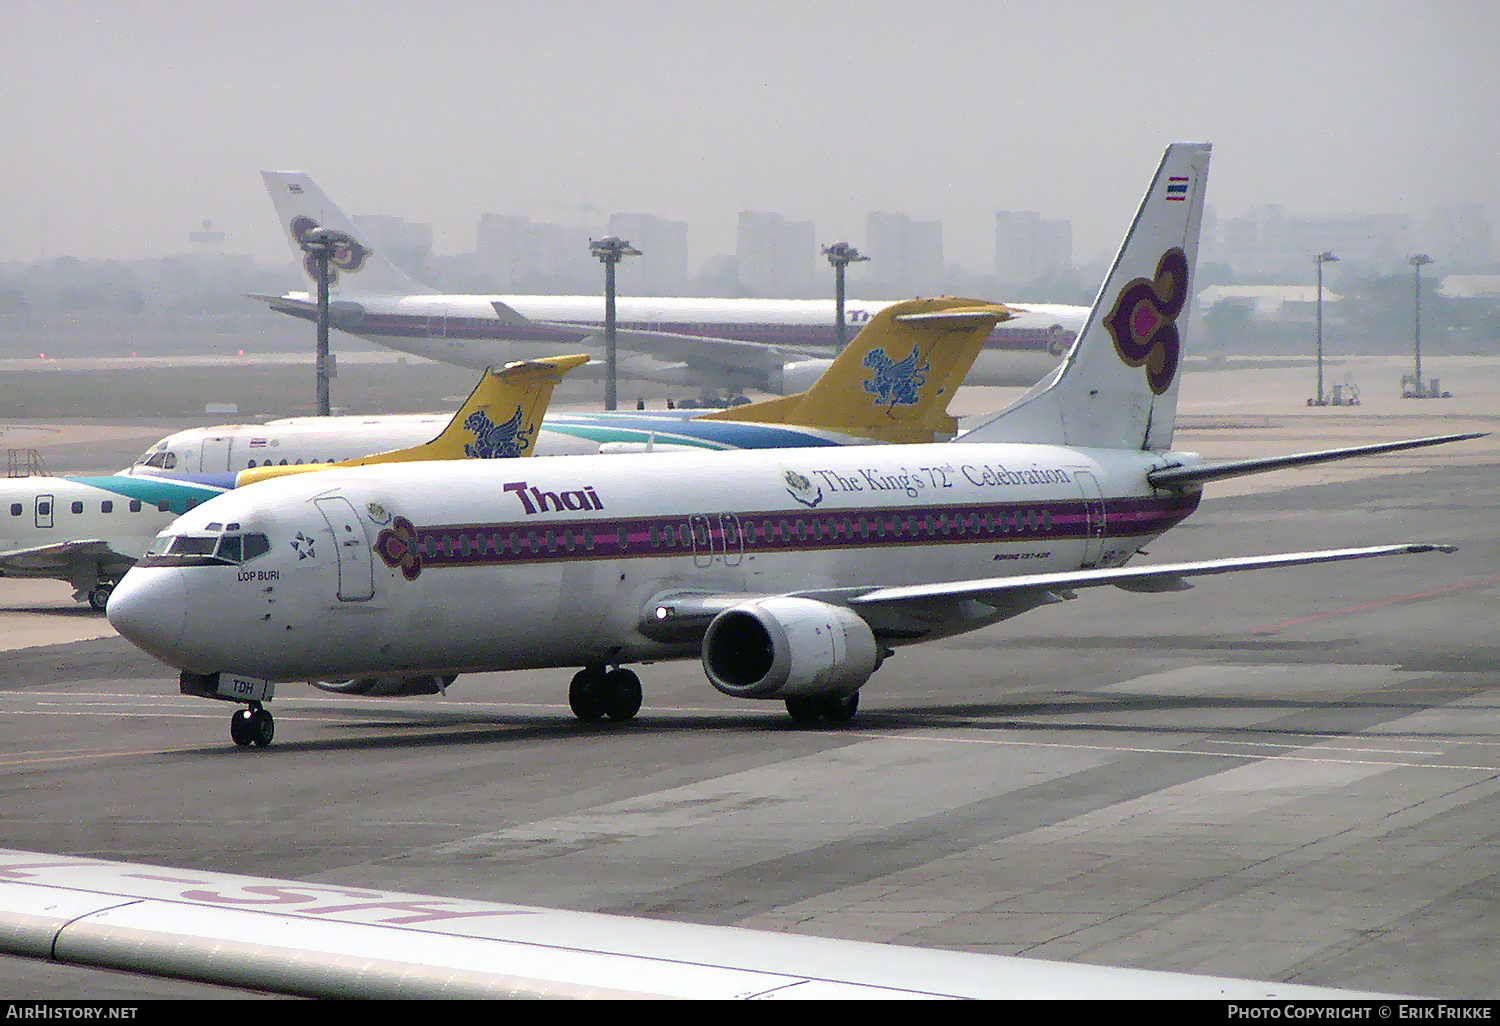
x: 320, y: 940
x: 499, y: 419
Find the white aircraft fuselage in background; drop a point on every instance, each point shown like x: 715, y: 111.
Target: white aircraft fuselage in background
x: 799, y: 334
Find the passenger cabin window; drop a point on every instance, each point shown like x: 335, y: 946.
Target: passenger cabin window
x: 107, y: 506
x: 15, y: 509
x: 77, y: 507
x: 135, y: 505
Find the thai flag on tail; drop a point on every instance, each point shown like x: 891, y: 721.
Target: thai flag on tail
x: 1177, y: 189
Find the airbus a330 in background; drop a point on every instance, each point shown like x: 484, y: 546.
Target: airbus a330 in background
x: 793, y: 573
x: 716, y: 346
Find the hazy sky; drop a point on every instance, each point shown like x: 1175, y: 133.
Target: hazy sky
x: 127, y: 123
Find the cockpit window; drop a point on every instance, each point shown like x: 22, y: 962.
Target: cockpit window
x: 161, y: 460
x: 188, y: 545
x: 205, y: 549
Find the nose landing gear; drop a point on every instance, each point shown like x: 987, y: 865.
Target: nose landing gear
x: 252, y: 726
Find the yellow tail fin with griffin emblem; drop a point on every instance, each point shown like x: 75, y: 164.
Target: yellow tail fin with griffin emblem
x: 894, y: 381
x: 500, y: 419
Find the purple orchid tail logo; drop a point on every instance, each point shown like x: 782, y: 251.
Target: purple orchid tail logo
x: 349, y: 258
x: 1143, y: 322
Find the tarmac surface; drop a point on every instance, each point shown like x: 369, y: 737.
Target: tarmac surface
x: 1287, y: 775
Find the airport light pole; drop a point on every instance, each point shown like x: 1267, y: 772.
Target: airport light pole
x: 1322, y: 258
x: 610, y: 251
x: 321, y: 244
x: 841, y: 255
x: 1417, y: 262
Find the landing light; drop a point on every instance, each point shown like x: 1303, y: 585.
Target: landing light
x: 664, y: 612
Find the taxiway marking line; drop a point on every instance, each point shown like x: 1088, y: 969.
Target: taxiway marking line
x: 1171, y: 751
x: 1375, y: 605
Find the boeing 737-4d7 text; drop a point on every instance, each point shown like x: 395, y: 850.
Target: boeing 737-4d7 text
x: 718, y: 346
x: 317, y: 940
x: 792, y: 573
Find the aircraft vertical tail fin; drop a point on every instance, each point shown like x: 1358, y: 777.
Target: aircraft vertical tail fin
x: 355, y: 270
x: 500, y: 419
x: 1118, y: 387
x: 894, y: 381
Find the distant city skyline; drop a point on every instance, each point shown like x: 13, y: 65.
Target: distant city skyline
x: 1266, y: 240
x: 133, y: 123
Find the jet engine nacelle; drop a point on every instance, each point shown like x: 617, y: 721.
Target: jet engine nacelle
x: 789, y: 648
x: 797, y: 376
x: 388, y: 687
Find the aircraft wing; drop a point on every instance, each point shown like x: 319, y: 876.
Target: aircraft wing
x: 321, y: 940
x: 735, y: 354
x: 1167, y: 577
x: 58, y: 558
x: 681, y: 616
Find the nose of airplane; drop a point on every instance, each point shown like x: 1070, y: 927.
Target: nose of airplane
x: 149, y: 607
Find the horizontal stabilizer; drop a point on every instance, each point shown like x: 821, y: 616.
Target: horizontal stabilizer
x: 1181, y: 477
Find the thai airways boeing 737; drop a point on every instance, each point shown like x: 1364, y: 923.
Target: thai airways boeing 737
x: 793, y: 574
x: 716, y: 346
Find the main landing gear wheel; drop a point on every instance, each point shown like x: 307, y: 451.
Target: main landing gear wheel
x: 833, y: 708
x: 595, y: 694
x: 252, y: 726
x: 99, y: 597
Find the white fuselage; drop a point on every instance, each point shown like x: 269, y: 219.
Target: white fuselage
x: 85, y: 530
x: 437, y: 567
